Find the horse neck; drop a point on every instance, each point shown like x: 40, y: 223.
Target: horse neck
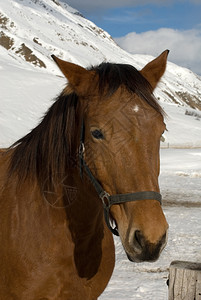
x: 83, y: 207
x: 85, y: 222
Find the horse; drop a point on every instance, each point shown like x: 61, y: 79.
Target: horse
x: 88, y: 170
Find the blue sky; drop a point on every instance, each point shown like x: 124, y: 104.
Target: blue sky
x: 119, y: 21
x: 150, y: 26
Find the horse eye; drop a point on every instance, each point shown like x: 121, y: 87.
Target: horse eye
x: 97, y: 134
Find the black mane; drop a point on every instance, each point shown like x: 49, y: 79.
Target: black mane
x: 47, y: 151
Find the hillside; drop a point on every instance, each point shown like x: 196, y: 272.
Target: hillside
x: 32, y: 30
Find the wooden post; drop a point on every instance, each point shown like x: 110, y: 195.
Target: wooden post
x: 184, y: 281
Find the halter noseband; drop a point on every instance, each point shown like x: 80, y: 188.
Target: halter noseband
x: 107, y: 199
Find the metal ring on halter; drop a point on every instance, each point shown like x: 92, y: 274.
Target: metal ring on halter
x: 105, y: 195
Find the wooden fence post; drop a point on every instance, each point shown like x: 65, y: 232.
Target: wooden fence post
x: 184, y: 281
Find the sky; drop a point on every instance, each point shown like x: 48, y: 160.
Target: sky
x: 150, y: 26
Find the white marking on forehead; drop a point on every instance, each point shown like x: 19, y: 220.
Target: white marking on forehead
x: 135, y: 108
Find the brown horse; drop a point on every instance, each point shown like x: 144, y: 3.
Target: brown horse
x: 99, y: 140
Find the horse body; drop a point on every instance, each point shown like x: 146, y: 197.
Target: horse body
x: 40, y: 258
x: 54, y: 242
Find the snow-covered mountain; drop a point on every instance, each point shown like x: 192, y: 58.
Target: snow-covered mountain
x: 32, y: 30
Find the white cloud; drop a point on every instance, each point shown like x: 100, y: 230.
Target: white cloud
x: 184, y: 46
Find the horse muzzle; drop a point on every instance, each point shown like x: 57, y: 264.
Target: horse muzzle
x: 139, y: 249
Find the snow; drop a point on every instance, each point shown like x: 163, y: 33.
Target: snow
x: 181, y: 175
x: 183, y: 130
x: 25, y: 96
x: 26, y: 91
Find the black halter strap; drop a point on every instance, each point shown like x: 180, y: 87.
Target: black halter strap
x: 107, y: 199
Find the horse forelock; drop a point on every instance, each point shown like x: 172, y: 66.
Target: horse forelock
x: 112, y: 76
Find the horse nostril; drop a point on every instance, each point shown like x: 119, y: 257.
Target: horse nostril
x: 138, y: 239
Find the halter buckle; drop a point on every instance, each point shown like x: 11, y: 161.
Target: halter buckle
x: 105, y: 197
x: 81, y: 149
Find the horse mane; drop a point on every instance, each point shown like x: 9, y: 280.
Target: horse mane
x: 50, y: 148
x: 46, y: 152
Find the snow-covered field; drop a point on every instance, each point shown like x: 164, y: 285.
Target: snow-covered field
x: 180, y: 178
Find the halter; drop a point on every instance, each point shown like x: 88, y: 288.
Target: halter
x: 107, y: 199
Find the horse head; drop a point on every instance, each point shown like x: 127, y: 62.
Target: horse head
x: 123, y: 124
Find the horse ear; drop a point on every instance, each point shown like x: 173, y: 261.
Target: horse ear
x: 154, y: 70
x: 78, y: 77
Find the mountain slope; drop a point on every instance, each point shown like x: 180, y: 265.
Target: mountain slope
x: 32, y: 30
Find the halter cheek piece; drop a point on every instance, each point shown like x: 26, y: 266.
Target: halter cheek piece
x: 107, y: 199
